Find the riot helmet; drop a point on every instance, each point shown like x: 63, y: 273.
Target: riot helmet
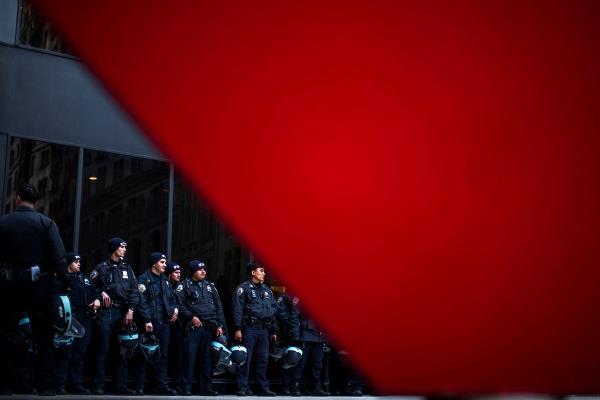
x: 64, y: 324
x: 24, y: 328
x: 128, y: 340
x: 238, y: 357
x: 291, y: 357
x: 220, y: 357
x: 150, y: 347
x: 276, y: 351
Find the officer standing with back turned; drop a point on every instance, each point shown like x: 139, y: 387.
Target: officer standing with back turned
x: 253, y: 309
x: 32, y: 254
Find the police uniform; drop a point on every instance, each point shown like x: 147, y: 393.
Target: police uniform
x: 199, y: 299
x: 157, y: 306
x: 117, y: 279
x: 312, y: 340
x: 288, y: 317
x: 253, y: 309
x: 176, y: 339
x: 82, y: 293
x: 31, y: 252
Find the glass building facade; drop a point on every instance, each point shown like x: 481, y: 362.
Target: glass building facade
x: 95, y: 195
x: 98, y: 175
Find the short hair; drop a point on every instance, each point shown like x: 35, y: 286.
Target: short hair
x: 29, y: 193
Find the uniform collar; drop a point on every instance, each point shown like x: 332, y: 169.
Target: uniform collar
x: 25, y: 208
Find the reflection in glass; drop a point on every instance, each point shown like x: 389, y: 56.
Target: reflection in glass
x: 52, y: 169
x: 126, y: 197
x: 34, y: 31
x: 198, y: 234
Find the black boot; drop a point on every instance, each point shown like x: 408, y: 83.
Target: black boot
x: 296, y: 390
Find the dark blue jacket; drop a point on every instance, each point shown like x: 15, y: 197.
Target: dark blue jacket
x: 29, y: 238
x: 252, y: 300
x: 152, y: 306
x: 306, y: 329
x: 118, y: 281
x: 201, y: 299
x: 288, y: 317
x: 82, y: 293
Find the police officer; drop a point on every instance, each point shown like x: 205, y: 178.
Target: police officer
x: 158, y: 308
x: 173, y: 273
x: 253, y: 309
x: 288, y: 317
x: 118, y: 288
x: 31, y: 255
x: 85, y: 300
x: 312, y: 340
x: 203, y: 318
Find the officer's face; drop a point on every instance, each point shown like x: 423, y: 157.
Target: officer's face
x: 200, y: 274
x: 160, y: 266
x: 175, y: 276
x: 121, y: 250
x: 75, y: 266
x: 259, y: 274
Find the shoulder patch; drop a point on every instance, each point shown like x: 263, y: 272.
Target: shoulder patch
x: 141, y: 288
x: 179, y: 287
x: 93, y: 274
x: 240, y: 291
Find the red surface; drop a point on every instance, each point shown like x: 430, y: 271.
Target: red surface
x: 425, y: 175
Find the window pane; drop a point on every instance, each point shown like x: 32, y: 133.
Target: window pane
x: 34, y: 31
x: 126, y: 197
x: 198, y: 234
x: 52, y: 169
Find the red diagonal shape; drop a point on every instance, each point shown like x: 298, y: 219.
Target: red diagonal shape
x: 425, y: 174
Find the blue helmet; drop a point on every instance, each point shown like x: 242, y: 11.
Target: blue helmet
x: 128, y: 340
x: 220, y: 356
x: 291, y: 357
x: 238, y: 357
x: 66, y: 327
x: 150, y: 347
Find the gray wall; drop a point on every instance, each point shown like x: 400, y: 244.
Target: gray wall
x: 55, y: 99
x: 8, y: 20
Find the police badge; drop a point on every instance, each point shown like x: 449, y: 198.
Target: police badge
x: 141, y: 288
x: 179, y: 288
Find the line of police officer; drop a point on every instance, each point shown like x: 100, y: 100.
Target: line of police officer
x: 188, y: 315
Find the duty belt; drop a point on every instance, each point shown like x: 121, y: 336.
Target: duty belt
x: 10, y: 273
x: 118, y: 304
x: 253, y: 321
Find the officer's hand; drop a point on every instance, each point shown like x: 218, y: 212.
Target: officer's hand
x: 196, y: 322
x: 175, y: 314
x: 273, y: 338
x: 238, y: 335
x: 106, y: 300
x: 129, y: 317
x: 149, y: 327
x: 95, y: 304
x: 219, y: 331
